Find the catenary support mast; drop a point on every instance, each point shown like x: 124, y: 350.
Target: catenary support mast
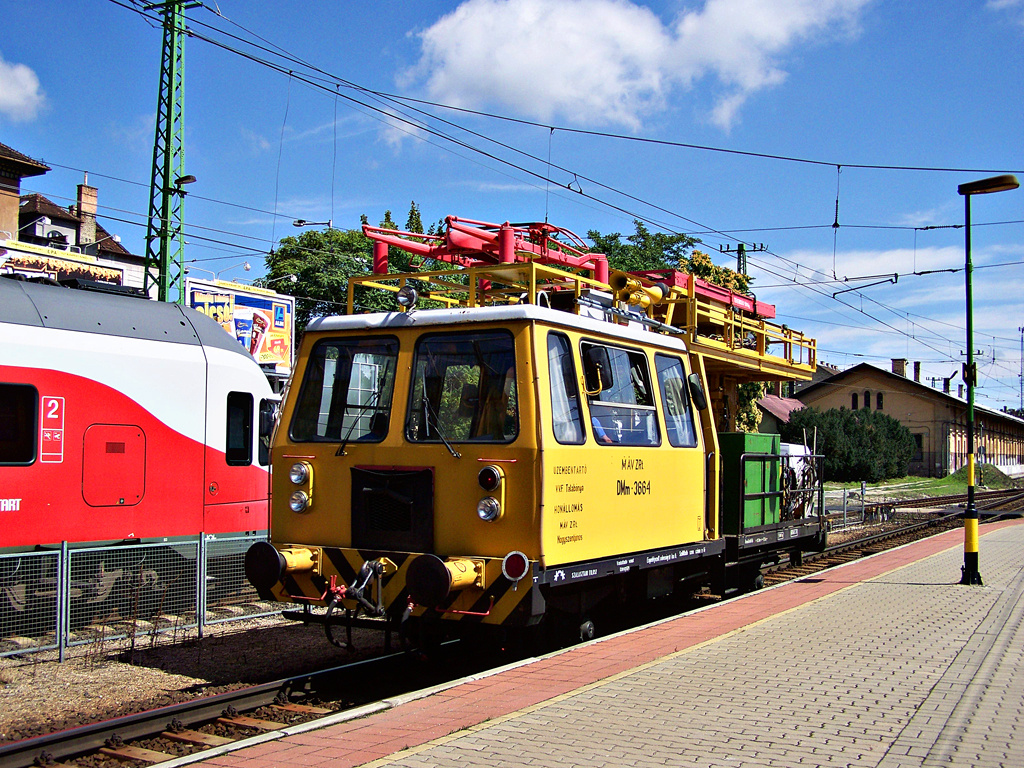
x: 164, y: 266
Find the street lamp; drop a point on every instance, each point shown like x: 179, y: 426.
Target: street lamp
x: 969, y: 571
x: 303, y: 223
x: 216, y: 275
x: 115, y: 238
x: 289, y: 278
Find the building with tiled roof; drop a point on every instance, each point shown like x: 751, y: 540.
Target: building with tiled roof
x: 936, y: 418
x: 39, y: 237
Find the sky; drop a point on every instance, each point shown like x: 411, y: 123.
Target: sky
x: 765, y: 122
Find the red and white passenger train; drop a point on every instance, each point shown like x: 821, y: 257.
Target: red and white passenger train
x: 123, y: 420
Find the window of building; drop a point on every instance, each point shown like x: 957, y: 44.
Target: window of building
x: 676, y: 397
x: 19, y: 419
x: 347, y: 391
x: 918, y: 448
x: 853, y: 401
x: 566, y: 418
x: 238, y: 451
x: 464, y: 389
x: 622, y: 408
x: 878, y: 401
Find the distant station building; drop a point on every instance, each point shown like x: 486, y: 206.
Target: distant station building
x: 935, y: 417
x: 39, y: 238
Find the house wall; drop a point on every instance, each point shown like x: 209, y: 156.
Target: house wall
x: 937, y: 422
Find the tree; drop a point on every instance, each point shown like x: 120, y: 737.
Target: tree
x: 748, y: 415
x: 324, y: 261
x: 857, y: 445
x: 644, y: 250
x: 413, y: 222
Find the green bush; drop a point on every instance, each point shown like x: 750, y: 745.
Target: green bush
x: 857, y: 445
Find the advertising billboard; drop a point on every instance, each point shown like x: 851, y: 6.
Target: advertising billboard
x: 36, y: 261
x: 262, y: 320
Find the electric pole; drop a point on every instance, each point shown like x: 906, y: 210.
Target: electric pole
x: 164, y: 265
x: 741, y: 250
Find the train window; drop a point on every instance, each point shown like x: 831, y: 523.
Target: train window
x: 464, y: 388
x: 566, y: 419
x: 676, y: 397
x: 19, y: 415
x: 623, y: 413
x: 346, y: 391
x: 239, y: 444
x: 268, y: 417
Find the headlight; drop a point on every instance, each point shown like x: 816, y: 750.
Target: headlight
x: 489, y: 509
x: 298, y: 501
x: 299, y: 473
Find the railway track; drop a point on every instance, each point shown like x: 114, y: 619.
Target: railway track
x: 982, y: 497
x: 272, y: 710
x: 991, y: 504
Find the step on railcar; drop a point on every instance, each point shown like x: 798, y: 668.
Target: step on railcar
x: 544, y: 443
x: 123, y: 421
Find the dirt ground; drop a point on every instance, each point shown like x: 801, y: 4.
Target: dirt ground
x: 39, y: 694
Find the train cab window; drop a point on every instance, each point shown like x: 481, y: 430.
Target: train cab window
x: 621, y: 403
x: 268, y: 418
x: 19, y: 414
x: 464, y: 389
x: 347, y: 391
x: 676, y: 397
x: 566, y: 419
x: 239, y: 444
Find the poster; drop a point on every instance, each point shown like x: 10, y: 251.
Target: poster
x: 261, y: 320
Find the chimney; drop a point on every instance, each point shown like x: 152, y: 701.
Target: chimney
x: 917, y: 371
x: 960, y: 391
x: 945, y: 385
x: 899, y: 366
x: 86, y: 211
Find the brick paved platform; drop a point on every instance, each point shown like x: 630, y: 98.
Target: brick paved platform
x: 885, y: 662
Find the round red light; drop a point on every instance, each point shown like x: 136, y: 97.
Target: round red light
x: 515, y: 566
x: 489, y: 478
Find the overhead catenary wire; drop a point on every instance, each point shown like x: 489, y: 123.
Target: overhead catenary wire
x: 545, y: 177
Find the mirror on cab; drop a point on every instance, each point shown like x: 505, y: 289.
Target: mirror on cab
x: 697, y: 391
x: 597, y: 370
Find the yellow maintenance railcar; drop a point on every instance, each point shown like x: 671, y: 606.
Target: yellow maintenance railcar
x: 543, y: 444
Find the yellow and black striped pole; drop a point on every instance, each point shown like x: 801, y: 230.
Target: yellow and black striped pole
x: 969, y: 573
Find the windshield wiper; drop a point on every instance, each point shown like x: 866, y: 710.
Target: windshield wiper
x: 431, y: 417
x: 372, y: 404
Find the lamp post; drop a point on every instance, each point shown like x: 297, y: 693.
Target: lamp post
x: 303, y: 223
x: 969, y: 571
x: 216, y: 275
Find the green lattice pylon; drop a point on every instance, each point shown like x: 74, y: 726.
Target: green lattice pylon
x: 165, y: 249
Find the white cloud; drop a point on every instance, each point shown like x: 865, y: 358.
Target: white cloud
x: 1015, y: 7
x: 20, y: 95
x: 614, y: 62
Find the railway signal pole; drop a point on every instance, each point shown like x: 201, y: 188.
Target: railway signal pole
x: 969, y: 573
x: 164, y: 264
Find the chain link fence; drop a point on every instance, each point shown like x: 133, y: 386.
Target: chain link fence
x: 69, y: 597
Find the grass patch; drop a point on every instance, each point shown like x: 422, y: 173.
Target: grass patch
x: 987, y: 477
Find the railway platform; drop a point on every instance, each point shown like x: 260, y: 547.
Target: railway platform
x: 885, y: 662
